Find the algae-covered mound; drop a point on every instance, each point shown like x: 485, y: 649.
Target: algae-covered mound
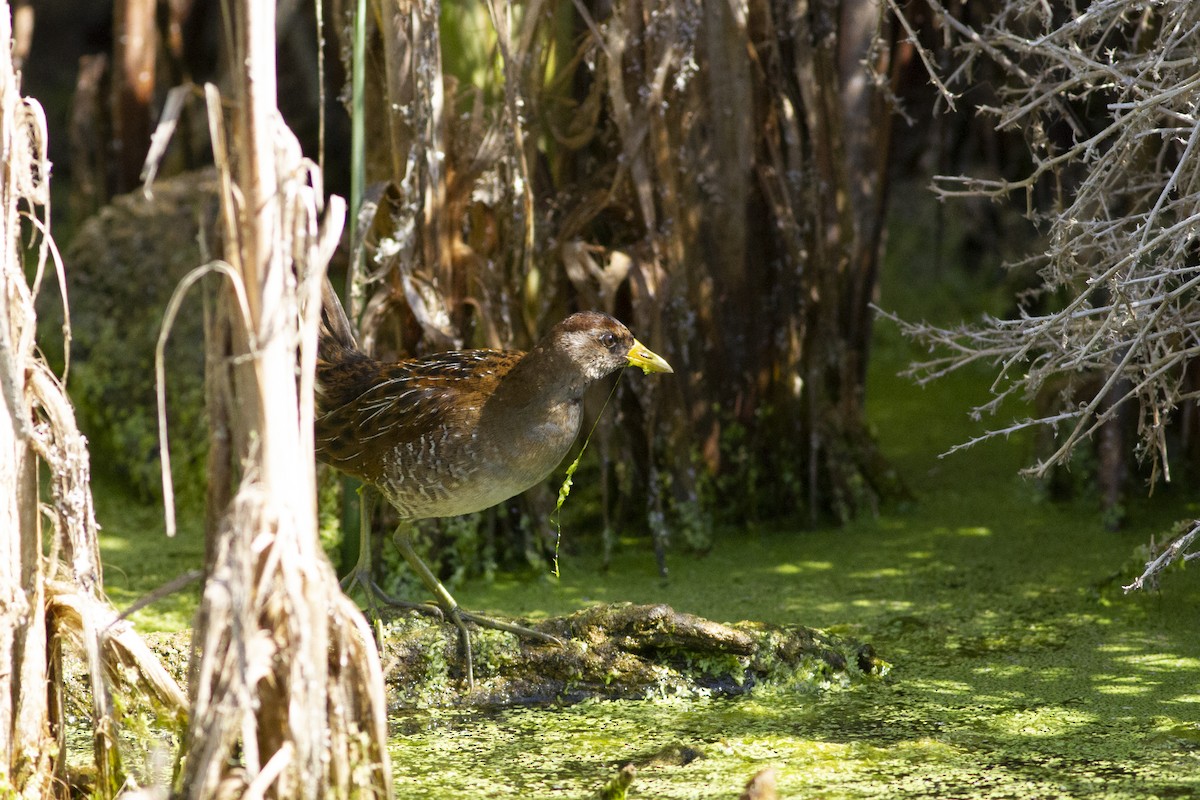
x: 612, y: 651
x: 122, y: 267
x: 607, y: 651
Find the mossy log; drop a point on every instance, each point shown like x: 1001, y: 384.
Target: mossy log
x: 618, y: 651
x: 125, y: 263
x: 610, y: 652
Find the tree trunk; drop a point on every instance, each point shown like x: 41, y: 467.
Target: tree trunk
x: 135, y: 57
x: 846, y: 127
x: 764, y: 222
x: 611, y: 652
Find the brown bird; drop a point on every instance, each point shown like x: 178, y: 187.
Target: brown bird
x: 457, y: 432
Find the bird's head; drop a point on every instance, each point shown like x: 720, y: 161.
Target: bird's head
x: 598, y: 345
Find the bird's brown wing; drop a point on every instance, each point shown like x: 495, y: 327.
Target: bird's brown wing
x: 367, y: 409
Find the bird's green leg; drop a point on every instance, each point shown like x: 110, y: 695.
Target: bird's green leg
x: 403, y: 539
x: 450, y: 606
x: 361, y: 574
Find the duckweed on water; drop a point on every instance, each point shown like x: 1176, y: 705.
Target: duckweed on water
x: 1019, y: 669
x: 864, y: 742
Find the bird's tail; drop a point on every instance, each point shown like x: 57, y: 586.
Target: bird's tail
x: 342, y: 368
x: 336, y: 333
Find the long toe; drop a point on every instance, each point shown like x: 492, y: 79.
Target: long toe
x: 510, y: 627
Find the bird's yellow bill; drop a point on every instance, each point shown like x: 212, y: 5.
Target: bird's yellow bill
x: 647, y: 359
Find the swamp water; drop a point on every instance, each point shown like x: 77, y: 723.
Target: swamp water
x: 1019, y: 668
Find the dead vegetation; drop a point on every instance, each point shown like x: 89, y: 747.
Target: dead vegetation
x: 286, y: 688
x: 715, y: 178
x: 49, y: 603
x: 1105, y: 99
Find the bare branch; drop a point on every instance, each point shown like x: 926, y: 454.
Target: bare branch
x: 1120, y: 246
x: 1176, y: 550
x: 1120, y: 249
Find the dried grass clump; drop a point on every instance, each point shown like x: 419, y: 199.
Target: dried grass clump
x: 48, y: 600
x: 287, y: 689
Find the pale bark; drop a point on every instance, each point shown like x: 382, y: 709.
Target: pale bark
x: 26, y: 746
x: 287, y: 683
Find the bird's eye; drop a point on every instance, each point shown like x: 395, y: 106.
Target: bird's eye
x: 609, y: 340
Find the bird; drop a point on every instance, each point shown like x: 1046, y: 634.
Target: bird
x: 460, y: 431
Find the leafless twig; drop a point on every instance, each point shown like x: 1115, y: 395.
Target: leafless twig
x: 1120, y: 243
x: 1172, y: 553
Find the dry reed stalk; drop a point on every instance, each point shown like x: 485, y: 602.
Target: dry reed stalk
x: 26, y: 746
x: 38, y: 423
x: 286, y: 682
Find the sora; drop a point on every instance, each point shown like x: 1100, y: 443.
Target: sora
x: 458, y: 432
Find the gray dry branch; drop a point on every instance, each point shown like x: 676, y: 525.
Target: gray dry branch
x: 1107, y: 100
x: 1176, y: 550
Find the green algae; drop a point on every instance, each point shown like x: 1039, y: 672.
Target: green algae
x: 1018, y: 667
x: 138, y: 558
x: 1059, y: 695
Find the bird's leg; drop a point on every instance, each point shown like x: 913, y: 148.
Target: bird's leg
x: 360, y: 575
x: 509, y: 627
x: 403, y: 539
x: 450, y: 606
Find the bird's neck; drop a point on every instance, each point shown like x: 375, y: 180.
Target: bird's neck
x: 543, y: 376
x: 536, y: 411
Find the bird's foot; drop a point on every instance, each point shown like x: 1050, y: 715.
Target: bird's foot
x: 459, y: 617
x: 376, y: 596
x: 510, y: 627
x: 456, y: 615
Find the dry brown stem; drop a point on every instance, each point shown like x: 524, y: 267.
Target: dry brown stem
x: 287, y: 694
x: 26, y: 744
x: 40, y: 593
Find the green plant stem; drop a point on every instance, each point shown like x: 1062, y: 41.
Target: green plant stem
x: 358, y: 115
x: 565, y: 489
